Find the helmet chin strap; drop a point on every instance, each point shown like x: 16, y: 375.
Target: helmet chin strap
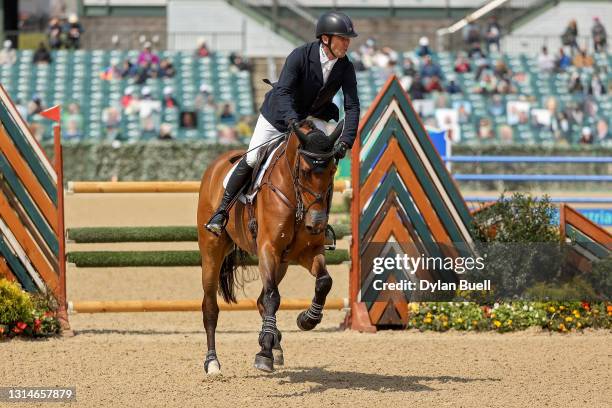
x: 328, y: 45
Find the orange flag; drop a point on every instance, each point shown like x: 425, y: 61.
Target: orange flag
x: 52, y: 113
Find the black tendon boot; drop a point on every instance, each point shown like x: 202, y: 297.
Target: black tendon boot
x: 237, y: 180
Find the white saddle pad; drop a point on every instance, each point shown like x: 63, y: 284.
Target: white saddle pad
x: 260, y: 175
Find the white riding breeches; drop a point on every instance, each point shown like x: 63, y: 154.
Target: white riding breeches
x: 264, y: 131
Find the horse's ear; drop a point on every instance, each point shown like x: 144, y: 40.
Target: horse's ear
x: 337, y: 132
x: 301, y: 136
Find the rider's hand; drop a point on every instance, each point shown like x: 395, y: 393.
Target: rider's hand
x: 340, y: 150
x: 292, y: 124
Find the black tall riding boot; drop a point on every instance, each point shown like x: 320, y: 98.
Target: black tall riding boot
x: 237, y: 180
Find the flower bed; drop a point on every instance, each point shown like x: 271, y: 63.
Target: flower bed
x: 467, y: 316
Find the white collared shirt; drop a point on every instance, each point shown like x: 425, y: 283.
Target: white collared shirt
x: 326, y: 63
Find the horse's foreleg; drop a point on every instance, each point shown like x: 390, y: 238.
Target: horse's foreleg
x: 277, y: 350
x: 310, y: 318
x: 269, y: 268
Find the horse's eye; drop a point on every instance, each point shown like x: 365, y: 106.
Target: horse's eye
x: 305, y: 173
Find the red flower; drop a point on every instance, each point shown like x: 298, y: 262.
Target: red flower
x: 1, y: 330
x: 48, y: 313
x: 586, y: 306
x: 17, y: 330
x: 21, y: 325
x: 37, y: 324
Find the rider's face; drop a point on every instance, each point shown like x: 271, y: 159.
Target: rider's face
x: 339, y: 45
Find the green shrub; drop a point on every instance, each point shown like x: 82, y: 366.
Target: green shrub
x: 15, y: 304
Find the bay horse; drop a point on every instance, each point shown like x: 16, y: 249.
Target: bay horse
x: 291, y: 216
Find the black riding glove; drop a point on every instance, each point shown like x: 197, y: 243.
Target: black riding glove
x: 340, y: 150
x: 292, y: 124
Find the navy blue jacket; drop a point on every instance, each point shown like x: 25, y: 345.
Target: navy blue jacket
x: 300, y: 92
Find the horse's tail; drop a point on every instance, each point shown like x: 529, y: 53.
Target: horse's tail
x: 227, y: 279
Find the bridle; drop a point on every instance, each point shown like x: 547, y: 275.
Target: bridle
x: 298, y: 186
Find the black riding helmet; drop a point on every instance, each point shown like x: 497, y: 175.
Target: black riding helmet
x: 335, y: 23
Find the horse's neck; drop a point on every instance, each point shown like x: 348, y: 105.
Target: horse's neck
x: 282, y: 172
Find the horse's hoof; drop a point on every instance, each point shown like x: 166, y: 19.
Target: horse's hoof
x: 306, y: 324
x: 264, y: 363
x: 212, y: 368
x: 279, y: 359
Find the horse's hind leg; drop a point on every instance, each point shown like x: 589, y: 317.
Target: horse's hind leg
x: 277, y: 350
x: 310, y: 318
x: 213, y: 253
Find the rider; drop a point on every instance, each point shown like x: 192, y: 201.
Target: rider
x: 311, y: 76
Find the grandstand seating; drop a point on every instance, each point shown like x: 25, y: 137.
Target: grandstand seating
x: 74, y: 77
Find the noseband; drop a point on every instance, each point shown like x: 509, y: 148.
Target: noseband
x: 299, y: 188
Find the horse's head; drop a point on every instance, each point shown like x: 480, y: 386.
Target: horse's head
x: 313, y: 174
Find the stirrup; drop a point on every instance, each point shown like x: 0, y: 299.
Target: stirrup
x: 330, y: 238
x: 217, y: 229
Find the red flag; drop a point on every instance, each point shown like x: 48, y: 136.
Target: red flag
x: 52, y: 113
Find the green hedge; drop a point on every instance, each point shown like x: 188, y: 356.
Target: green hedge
x: 179, y: 160
x: 112, y: 259
x: 87, y: 235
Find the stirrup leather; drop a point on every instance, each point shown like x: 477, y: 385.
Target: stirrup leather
x: 330, y: 238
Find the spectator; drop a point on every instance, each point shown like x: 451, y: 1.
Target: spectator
x: 600, y: 37
x: 417, y: 90
x: 561, y: 127
x: 596, y: 87
x: 128, y: 69
x: 113, y: 71
x: 423, y: 47
x: 226, y: 135
x: 73, y: 32
x: 586, y: 136
x: 583, y: 60
x: 144, y: 72
x: 205, y: 100
x: 462, y: 64
x: 72, y: 122
x: 189, y: 120
x: 482, y: 64
x: 41, y: 55
x: 603, y: 135
x: 111, y: 119
x: 165, y: 132
x: 169, y: 102
x: 128, y: 97
x: 227, y: 115
x: 429, y: 69
x: 505, y: 87
x: 569, y: 36
x: 8, y: 56
x: 471, y: 33
x: 54, y: 34
x: 202, y: 50
x: 546, y: 62
x: 452, y: 87
x: 35, y: 106
x: 243, y: 128
x: 563, y: 61
x: 496, y: 107
x: 408, y: 68
x: 575, y: 84
x: 492, y: 34
x: 433, y: 85
x: 147, y: 57
x: 501, y: 70
x: 238, y: 62
x: 487, y: 86
x: 485, y: 130
x: 166, y: 69
x: 506, y: 134
x: 475, y: 51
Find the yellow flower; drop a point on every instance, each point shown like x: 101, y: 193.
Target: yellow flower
x: 428, y: 315
x: 568, y: 319
x: 497, y: 323
x: 474, y: 322
x: 578, y: 325
x: 509, y: 322
x: 562, y: 327
x: 551, y: 309
x: 445, y: 324
x: 414, y: 307
x: 460, y: 320
x: 493, y: 315
x: 427, y: 320
x: 561, y: 307
x: 576, y: 313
